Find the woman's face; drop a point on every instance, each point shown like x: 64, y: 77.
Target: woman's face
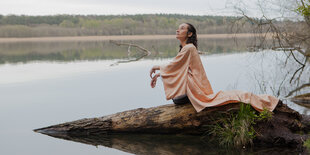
x: 181, y: 32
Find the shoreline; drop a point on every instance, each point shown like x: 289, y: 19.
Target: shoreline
x: 123, y: 37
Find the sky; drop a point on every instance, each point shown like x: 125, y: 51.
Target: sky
x: 124, y: 7
x: 114, y: 7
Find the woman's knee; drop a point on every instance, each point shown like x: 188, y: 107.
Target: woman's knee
x: 180, y: 101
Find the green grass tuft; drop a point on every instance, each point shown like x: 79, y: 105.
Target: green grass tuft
x: 236, y: 129
x: 307, y: 143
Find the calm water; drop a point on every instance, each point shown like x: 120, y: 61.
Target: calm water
x: 42, y: 84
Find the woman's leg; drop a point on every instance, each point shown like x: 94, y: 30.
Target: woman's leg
x: 183, y: 99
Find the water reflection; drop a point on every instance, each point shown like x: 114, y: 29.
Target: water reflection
x: 270, y: 72
x: 146, y: 144
x: 77, y: 77
x: 103, y: 50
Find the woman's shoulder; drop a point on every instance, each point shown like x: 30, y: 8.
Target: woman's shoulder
x: 189, y: 47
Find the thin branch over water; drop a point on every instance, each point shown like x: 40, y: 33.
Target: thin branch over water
x: 145, y: 52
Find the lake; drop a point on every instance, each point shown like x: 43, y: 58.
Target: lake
x: 47, y: 83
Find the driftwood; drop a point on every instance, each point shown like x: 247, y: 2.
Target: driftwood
x: 144, y: 53
x: 283, y: 129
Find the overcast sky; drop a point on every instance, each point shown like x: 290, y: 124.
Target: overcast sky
x: 48, y: 7
x: 104, y: 7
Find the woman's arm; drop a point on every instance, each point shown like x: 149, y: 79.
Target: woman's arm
x: 154, y: 80
x: 153, y: 70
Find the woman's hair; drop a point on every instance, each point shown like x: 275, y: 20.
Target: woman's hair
x: 192, y: 39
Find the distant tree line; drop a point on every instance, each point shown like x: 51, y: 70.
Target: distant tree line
x: 85, y: 25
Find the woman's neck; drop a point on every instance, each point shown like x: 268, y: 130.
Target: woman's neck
x: 183, y: 42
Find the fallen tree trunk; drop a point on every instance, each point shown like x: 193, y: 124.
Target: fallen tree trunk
x: 282, y: 129
x: 163, y: 119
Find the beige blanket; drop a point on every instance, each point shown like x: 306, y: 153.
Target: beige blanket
x: 185, y: 75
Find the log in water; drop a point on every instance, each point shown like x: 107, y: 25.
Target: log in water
x: 283, y: 129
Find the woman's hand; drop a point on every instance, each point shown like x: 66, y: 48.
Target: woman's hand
x: 154, y: 80
x: 153, y: 70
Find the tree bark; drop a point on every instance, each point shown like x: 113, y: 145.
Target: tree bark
x: 283, y: 129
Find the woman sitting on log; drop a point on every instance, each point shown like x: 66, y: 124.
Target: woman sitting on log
x: 185, y: 80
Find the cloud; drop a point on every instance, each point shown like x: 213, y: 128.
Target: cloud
x: 44, y: 7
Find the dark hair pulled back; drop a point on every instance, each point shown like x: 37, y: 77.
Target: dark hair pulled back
x: 193, y: 38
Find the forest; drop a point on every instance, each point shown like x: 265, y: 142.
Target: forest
x: 96, y: 25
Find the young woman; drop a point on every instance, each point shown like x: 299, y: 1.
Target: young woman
x: 185, y: 80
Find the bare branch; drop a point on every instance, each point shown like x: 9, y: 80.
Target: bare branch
x: 144, y: 54
x: 296, y: 73
x: 296, y: 59
x: 298, y: 89
x: 130, y: 44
